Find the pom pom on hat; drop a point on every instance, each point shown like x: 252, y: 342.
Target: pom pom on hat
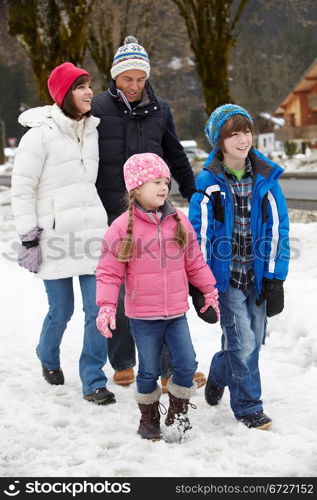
x: 130, y: 55
x: 143, y: 167
x: 219, y: 117
x: 61, y: 79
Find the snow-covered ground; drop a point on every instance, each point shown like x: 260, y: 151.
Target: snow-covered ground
x: 300, y: 163
x: 52, y: 431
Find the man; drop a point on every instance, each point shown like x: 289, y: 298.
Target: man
x: 134, y: 120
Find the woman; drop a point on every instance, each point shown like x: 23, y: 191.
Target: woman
x: 61, y: 220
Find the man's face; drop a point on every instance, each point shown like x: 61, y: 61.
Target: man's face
x: 131, y: 83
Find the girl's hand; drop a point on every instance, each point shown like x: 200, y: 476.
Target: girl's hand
x: 106, y: 318
x: 211, y: 299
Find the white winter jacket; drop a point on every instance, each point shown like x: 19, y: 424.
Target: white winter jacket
x: 53, y: 187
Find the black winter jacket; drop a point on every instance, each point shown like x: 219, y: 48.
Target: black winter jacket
x: 124, y: 131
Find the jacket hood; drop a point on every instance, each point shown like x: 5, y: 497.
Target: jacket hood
x: 34, y: 117
x: 37, y: 116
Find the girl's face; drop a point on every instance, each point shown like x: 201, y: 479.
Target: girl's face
x: 236, y: 148
x: 152, y: 194
x: 82, y: 97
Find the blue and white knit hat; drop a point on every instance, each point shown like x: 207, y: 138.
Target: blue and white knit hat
x: 130, y: 55
x: 219, y: 117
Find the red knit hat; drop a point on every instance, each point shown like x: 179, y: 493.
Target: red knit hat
x: 61, y: 79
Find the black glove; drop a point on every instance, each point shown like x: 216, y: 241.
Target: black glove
x: 273, y: 293
x: 210, y: 316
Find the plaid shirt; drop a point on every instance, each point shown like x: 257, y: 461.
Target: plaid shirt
x: 241, y: 272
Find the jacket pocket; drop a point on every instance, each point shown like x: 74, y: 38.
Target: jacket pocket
x: 231, y: 336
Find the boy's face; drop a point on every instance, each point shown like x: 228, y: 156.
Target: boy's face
x: 236, y: 148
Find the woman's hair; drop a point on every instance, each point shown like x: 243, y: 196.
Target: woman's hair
x: 68, y: 107
x: 237, y: 123
x: 126, y: 250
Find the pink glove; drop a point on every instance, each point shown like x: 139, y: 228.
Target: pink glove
x: 106, y: 317
x: 211, y: 299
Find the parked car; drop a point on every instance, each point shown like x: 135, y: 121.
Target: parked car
x: 193, y: 152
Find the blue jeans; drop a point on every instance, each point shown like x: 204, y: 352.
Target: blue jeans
x: 236, y: 365
x: 150, y: 336
x: 61, y: 307
x: 121, y: 349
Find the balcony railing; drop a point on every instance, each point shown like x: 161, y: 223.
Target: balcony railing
x: 305, y: 133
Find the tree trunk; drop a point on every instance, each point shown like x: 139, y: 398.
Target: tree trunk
x: 51, y: 32
x: 211, y: 28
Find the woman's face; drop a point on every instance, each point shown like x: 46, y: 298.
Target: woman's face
x: 82, y: 96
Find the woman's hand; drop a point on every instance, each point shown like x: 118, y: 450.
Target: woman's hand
x: 30, y: 255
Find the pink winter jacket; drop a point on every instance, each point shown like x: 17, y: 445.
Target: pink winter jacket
x: 156, y: 278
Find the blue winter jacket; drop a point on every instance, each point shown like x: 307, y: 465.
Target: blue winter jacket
x: 211, y: 214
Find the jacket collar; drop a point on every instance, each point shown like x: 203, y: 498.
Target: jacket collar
x: 66, y: 124
x: 167, y: 209
x: 148, y: 97
x: 261, y: 164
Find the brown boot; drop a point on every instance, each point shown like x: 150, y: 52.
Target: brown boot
x: 124, y: 377
x: 149, y: 427
x: 178, y: 407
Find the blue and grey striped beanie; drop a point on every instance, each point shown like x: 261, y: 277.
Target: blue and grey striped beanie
x: 130, y: 55
x: 219, y: 117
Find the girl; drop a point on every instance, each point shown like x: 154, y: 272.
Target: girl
x: 61, y: 219
x: 153, y: 247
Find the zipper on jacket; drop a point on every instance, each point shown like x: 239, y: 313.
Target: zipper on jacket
x: 141, y: 136
x: 159, y: 228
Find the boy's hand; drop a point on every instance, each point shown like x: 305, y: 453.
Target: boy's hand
x: 106, y: 318
x: 211, y: 300
x: 273, y: 293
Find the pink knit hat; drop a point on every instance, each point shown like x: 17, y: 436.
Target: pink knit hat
x: 142, y: 168
x: 61, y: 79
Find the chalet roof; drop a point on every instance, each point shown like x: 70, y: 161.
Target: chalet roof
x: 305, y: 84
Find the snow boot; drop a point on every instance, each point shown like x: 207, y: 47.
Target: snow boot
x: 177, y: 417
x: 53, y: 377
x: 213, y: 392
x: 149, y: 427
x: 124, y: 377
x: 257, y: 420
x: 101, y: 396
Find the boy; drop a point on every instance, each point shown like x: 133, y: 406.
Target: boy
x: 240, y: 217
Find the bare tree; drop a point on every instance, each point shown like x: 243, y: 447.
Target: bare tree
x: 111, y: 22
x: 51, y: 32
x: 211, y: 27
